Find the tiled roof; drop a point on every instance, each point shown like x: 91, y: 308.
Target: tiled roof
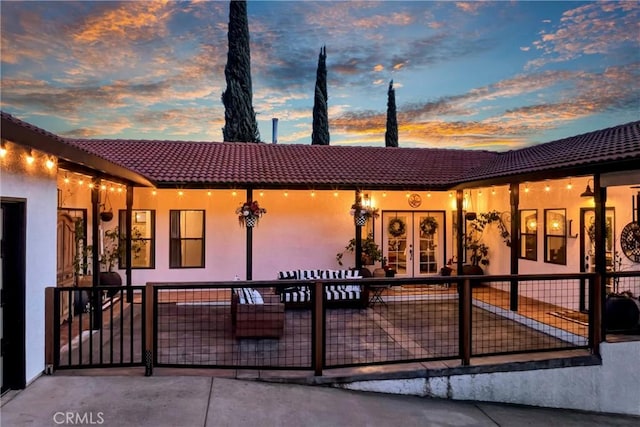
x: 265, y: 165
x: 614, y: 144
x: 261, y: 165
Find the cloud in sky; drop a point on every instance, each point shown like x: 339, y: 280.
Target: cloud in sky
x: 472, y: 74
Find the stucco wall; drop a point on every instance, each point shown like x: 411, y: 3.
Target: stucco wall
x: 37, y: 185
x: 611, y: 387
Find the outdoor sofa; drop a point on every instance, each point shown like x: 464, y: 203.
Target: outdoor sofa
x: 255, y: 314
x: 336, y: 295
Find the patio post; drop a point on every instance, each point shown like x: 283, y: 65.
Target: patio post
x: 460, y: 232
x: 249, y: 268
x: 49, y: 329
x: 600, y: 214
x: 595, y: 313
x: 465, y: 322
x: 514, y: 189
x: 317, y: 328
x: 149, y: 338
x: 358, y: 249
x: 127, y: 245
x: 95, y: 262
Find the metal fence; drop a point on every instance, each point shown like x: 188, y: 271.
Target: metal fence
x: 96, y: 327
x: 303, y: 324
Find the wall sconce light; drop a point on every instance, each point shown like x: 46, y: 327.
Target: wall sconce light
x: 588, y: 192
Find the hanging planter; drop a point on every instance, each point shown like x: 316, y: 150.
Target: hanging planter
x: 249, y: 214
x: 360, y: 220
x: 361, y: 214
x: 250, y: 221
x: 106, y: 214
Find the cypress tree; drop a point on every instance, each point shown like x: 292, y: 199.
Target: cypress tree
x: 320, y: 134
x: 391, y: 135
x: 239, y: 117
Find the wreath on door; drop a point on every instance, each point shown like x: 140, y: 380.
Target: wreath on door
x: 397, y: 227
x: 429, y: 225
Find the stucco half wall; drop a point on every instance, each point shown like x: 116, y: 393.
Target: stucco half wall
x: 612, y: 387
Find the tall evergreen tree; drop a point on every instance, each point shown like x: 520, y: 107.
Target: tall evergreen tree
x: 391, y: 135
x: 239, y: 117
x: 320, y: 134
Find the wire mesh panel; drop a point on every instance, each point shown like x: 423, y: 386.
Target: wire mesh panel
x: 396, y: 324
x: 527, y: 315
x: 118, y: 340
x: 224, y: 327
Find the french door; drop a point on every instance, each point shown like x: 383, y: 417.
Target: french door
x: 413, y: 242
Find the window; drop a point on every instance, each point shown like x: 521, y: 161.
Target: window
x: 143, y: 238
x: 555, y: 236
x: 186, y: 246
x: 529, y: 234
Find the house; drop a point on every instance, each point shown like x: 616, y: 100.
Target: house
x: 181, y: 198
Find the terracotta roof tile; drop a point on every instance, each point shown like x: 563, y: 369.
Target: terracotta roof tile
x: 612, y: 144
x: 260, y: 164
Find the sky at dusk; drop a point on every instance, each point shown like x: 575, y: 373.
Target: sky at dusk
x: 478, y: 75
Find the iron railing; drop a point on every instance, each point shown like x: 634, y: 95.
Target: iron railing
x: 99, y: 327
x: 228, y: 325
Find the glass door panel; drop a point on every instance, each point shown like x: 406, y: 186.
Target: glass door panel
x: 396, y: 236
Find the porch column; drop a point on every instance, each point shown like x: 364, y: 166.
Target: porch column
x: 460, y: 242
x: 95, y: 261
x: 358, y: 250
x: 600, y: 201
x: 249, y: 269
x: 127, y: 245
x: 514, y: 195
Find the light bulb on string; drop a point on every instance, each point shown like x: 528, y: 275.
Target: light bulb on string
x: 30, y: 158
x: 50, y: 164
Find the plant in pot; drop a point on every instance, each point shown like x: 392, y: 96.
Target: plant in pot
x: 371, y: 252
x: 82, y: 278
x: 388, y: 270
x: 477, y: 251
x: 113, y: 251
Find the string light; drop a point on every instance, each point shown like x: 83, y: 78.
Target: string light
x: 119, y: 189
x: 335, y: 194
x: 479, y: 193
x: 154, y: 192
x: 262, y: 194
x: 547, y: 188
x: 50, y: 164
x: 493, y: 191
x: 286, y: 194
x: 407, y: 195
x: 81, y: 183
x: 103, y: 187
x: 209, y: 193
x: 30, y: 158
x: 111, y: 189
x: 569, y: 185
x: 384, y: 194
x: 450, y: 194
x: 180, y: 193
x: 91, y: 185
x: 234, y: 193
x: 429, y: 194
x: 313, y: 194
x: 3, y: 149
x: 526, y: 188
x: 66, y: 179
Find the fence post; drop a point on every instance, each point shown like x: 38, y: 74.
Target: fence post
x: 149, y: 304
x: 595, y: 307
x: 318, y: 328
x: 49, y: 329
x: 465, y: 323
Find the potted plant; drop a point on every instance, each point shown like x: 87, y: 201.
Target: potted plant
x: 361, y: 214
x: 80, y: 264
x: 371, y: 252
x: 114, y: 247
x: 477, y: 251
x: 388, y: 270
x: 249, y: 213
